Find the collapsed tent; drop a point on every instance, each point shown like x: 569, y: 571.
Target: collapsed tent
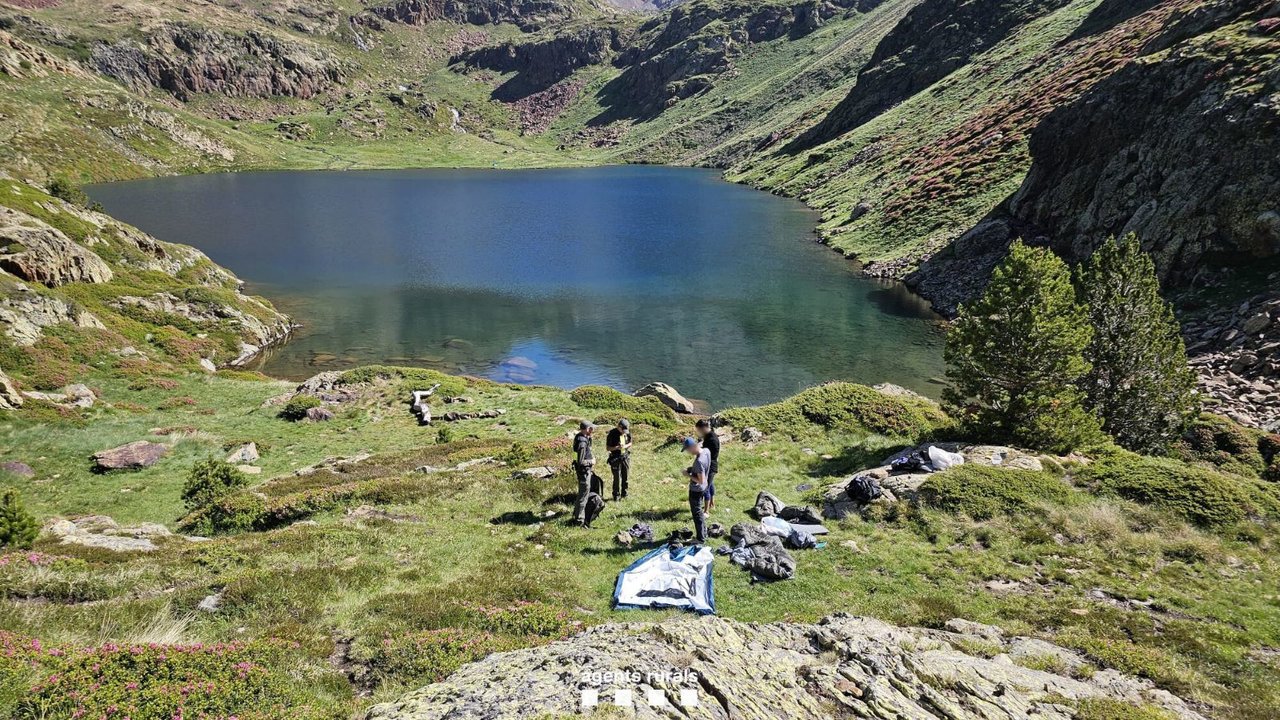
x: 668, y: 578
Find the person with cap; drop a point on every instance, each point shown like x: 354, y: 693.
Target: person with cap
x: 583, y: 462
x: 710, y: 443
x: 619, y: 445
x: 698, y: 473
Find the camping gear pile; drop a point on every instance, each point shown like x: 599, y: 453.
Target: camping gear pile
x: 668, y: 577
x: 759, y: 552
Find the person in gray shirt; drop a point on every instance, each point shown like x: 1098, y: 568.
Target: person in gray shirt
x: 583, y: 462
x: 699, y: 474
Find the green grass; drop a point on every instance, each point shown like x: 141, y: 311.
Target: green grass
x: 410, y: 579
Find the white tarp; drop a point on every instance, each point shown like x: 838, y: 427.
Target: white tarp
x: 663, y: 579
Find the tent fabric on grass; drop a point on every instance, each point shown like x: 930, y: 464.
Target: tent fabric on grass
x: 668, y: 579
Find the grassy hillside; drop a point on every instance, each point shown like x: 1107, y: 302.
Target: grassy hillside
x: 360, y: 577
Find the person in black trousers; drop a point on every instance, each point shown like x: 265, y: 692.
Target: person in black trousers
x: 710, y: 443
x: 583, y: 461
x: 619, y: 445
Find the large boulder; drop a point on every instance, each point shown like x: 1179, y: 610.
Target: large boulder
x: 134, y: 456
x: 711, y: 667
x: 36, y: 251
x: 100, y: 531
x: 25, y: 314
x: 669, y: 396
x: 10, y: 398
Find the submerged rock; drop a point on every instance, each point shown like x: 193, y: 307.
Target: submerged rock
x: 716, y: 668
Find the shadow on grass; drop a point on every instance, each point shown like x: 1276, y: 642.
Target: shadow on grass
x: 853, y: 459
x: 517, y: 517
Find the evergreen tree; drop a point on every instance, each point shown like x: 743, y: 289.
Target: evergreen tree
x: 1014, y: 356
x: 18, y: 527
x: 1140, y: 383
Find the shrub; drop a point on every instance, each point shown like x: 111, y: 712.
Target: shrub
x: 239, y: 512
x: 522, y: 618
x: 647, y: 410
x: 444, y: 435
x: 983, y: 492
x: 251, y: 681
x: 1223, y: 443
x: 18, y: 528
x: 210, y: 481
x: 1201, y: 496
x: 843, y: 407
x: 64, y: 189
x: 419, y: 378
x: 1015, y: 354
x: 430, y: 656
x: 297, y: 407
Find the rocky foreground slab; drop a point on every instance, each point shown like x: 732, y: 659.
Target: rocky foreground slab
x: 841, y: 666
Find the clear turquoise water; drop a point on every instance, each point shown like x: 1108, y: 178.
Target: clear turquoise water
x: 617, y: 276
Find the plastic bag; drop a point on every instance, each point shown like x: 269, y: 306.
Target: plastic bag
x: 776, y: 526
x: 941, y: 459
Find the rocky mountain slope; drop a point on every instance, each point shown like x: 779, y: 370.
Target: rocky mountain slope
x: 841, y: 666
x: 928, y: 133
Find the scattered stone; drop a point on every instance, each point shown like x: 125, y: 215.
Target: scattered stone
x: 668, y: 396
x: 100, y: 531
x: 19, y: 469
x: 10, y: 398
x: 840, y: 666
x: 243, y: 455
x: 211, y: 603
x: 322, y: 382
x: 751, y: 435
x: 319, y: 414
x: 133, y: 456
x: 207, y: 365
x: 480, y: 415
x: 80, y: 395
x: 543, y: 472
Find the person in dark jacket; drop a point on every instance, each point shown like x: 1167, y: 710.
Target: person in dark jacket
x: 619, y: 445
x: 698, y: 473
x: 710, y: 443
x: 583, y: 462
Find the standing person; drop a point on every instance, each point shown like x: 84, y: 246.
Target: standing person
x: 698, y: 473
x: 619, y: 445
x: 710, y: 443
x: 583, y: 461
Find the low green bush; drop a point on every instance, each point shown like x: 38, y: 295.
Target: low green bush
x: 983, y: 492
x: 249, y: 681
x: 415, y: 378
x: 1225, y: 444
x: 430, y: 656
x: 645, y: 410
x: 845, y: 407
x: 209, y: 481
x: 297, y: 407
x: 1201, y: 496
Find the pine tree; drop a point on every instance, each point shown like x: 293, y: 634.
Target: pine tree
x: 18, y: 528
x: 1014, y: 356
x: 1140, y: 383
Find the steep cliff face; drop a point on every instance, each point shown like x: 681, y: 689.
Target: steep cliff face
x: 932, y: 41
x: 1182, y: 148
x: 185, y: 59
x: 527, y: 14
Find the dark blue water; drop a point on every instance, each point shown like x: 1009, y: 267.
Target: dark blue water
x: 619, y: 276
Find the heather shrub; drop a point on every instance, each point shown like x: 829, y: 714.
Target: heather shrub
x: 983, y: 492
x: 430, y: 656
x: 1201, y: 496
x: 297, y: 407
x: 843, y: 407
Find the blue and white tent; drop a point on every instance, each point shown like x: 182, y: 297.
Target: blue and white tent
x: 667, y: 578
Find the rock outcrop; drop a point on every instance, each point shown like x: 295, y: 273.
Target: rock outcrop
x: 25, y: 313
x: 668, y: 396
x: 936, y: 38
x: 38, y: 252
x: 10, y: 398
x: 529, y: 15
x: 133, y: 456
x: 257, y: 332
x: 710, y: 667
x: 100, y: 531
x: 185, y: 60
x: 545, y: 61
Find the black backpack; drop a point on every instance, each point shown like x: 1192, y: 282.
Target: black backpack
x: 595, y: 505
x: 597, y: 485
x: 863, y: 489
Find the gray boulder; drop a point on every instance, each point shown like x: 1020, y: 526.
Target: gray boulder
x: 10, y: 398
x: 134, y: 456
x: 668, y: 396
x: 842, y: 666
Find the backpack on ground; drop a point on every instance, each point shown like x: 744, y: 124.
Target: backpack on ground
x: 863, y: 489
x: 595, y: 505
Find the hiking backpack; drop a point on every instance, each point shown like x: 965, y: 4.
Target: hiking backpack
x: 863, y: 489
x: 595, y: 505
